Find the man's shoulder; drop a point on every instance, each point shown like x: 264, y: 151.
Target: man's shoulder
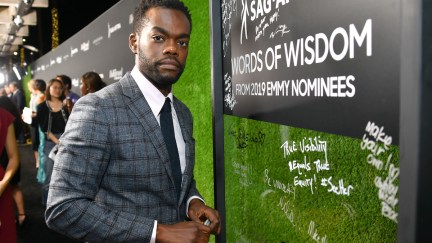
x: 126, y: 86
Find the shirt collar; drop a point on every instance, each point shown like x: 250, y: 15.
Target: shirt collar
x: 154, y: 97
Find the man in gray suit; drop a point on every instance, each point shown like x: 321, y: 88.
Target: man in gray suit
x: 17, y: 97
x: 113, y: 179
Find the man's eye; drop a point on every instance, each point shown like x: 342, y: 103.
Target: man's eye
x: 183, y: 43
x: 158, y: 38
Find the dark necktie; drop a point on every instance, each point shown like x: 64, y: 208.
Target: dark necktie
x: 167, y: 127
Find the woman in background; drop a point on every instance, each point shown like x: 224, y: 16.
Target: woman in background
x: 52, y: 117
x: 35, y: 94
x: 40, y: 86
x: 17, y: 193
x: 90, y: 83
x: 7, y: 143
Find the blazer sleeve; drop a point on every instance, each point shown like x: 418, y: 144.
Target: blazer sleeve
x: 20, y: 101
x: 81, y: 162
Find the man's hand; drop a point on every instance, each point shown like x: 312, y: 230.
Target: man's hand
x: 199, y: 212
x: 183, y: 232
x: 192, y: 231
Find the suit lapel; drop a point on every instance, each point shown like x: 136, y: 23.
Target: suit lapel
x: 189, y: 146
x: 139, y: 106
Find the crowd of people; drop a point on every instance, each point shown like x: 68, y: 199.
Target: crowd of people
x: 50, y: 104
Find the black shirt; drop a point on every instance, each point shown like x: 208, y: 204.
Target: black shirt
x: 58, y: 122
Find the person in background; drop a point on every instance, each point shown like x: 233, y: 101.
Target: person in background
x: 7, y: 144
x: 18, y: 99
x: 17, y: 194
x: 52, y: 117
x: 90, y: 83
x: 124, y: 170
x: 68, y: 86
x: 68, y: 104
x: 8, y: 92
x: 40, y: 87
x: 17, y: 96
x: 34, y: 96
x: 2, y: 92
x: 70, y: 97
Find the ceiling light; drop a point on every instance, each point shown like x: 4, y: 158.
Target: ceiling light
x: 10, y: 38
x: 24, y: 7
x: 2, y: 78
x: 28, y: 2
x: 18, y: 20
x: 31, y: 48
x: 16, y: 72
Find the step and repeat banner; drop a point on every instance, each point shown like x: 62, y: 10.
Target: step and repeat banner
x: 102, y: 47
x: 311, y: 120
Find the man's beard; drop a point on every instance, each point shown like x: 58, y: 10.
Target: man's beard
x: 150, y: 71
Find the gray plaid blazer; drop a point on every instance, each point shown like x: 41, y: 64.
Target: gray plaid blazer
x: 112, y: 175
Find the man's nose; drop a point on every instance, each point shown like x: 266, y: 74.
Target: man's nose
x: 170, y: 48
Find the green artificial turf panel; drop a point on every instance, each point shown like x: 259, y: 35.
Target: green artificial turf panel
x: 264, y: 203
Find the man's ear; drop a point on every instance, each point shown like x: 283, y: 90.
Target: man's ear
x: 133, y: 42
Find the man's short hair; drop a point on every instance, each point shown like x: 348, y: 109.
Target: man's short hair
x: 14, y: 84
x: 145, y: 5
x: 66, y: 80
